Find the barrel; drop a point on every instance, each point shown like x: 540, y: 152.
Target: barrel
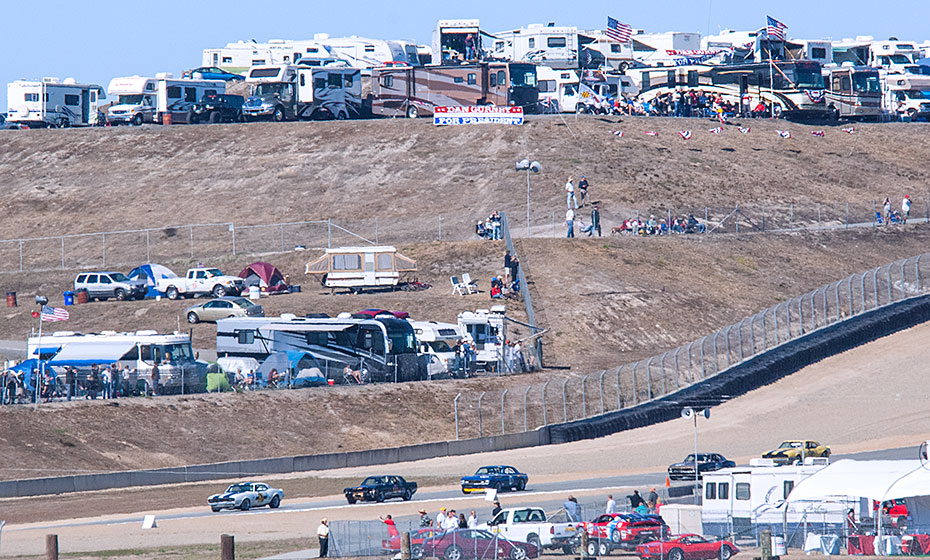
x: 81, y: 295
x: 69, y: 297
x: 11, y: 299
x: 778, y: 546
x: 166, y: 117
x: 255, y: 292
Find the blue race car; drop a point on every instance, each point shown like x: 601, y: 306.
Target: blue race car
x: 498, y: 477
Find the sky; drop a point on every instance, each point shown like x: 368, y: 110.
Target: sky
x: 103, y: 41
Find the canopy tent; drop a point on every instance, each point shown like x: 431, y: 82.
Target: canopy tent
x: 150, y: 273
x: 300, y: 369
x: 264, y: 275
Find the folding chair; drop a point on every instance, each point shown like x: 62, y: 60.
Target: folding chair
x: 471, y: 285
x: 878, y: 218
x: 458, y: 287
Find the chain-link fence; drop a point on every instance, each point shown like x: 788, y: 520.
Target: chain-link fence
x: 579, y: 396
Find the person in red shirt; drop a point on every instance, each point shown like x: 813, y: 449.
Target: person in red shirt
x: 391, y: 527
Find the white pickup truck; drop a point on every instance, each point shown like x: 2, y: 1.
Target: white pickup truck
x: 201, y: 281
x: 531, y: 525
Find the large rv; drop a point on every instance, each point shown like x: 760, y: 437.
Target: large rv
x: 891, y: 55
x: 853, y: 92
x: 178, y: 369
x: 558, y: 89
x: 52, y: 102
x: 415, y: 92
x: 488, y: 330
x: 907, y: 95
x: 384, y: 346
x: 436, y: 341
x: 291, y: 92
x: 555, y: 47
x: 161, y: 99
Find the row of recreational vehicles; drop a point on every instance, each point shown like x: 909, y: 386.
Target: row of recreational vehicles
x: 387, y: 348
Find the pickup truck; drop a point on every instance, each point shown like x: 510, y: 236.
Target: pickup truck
x: 200, y: 282
x: 531, y: 525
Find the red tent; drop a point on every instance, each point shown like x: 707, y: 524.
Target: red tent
x: 264, y: 275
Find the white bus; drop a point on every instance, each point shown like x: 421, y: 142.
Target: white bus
x: 161, y: 99
x: 52, y: 102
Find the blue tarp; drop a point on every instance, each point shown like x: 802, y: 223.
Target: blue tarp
x: 26, y: 369
x: 300, y: 368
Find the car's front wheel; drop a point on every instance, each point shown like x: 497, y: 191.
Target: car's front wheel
x: 676, y: 554
x: 192, y: 318
x: 454, y: 552
x: 517, y: 552
x: 350, y: 499
x: 407, y: 495
x: 215, y: 509
x: 245, y: 505
x: 521, y: 486
x: 615, y: 536
x: 725, y: 552
x: 119, y: 294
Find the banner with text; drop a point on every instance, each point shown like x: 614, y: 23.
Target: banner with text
x: 477, y: 115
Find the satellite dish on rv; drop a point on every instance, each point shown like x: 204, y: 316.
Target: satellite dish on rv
x: 69, y: 81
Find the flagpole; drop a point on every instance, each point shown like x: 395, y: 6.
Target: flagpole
x: 38, y: 360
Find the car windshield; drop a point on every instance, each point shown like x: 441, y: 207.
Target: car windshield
x: 180, y: 352
x: 243, y: 303
x: 866, y: 83
x: 520, y: 76
x: 790, y: 445
x: 808, y: 79
x: 440, y: 346
x: 400, y: 333
x: 238, y: 488
x: 129, y: 99
x: 372, y: 481
x: 211, y: 272
x: 262, y: 90
x: 119, y: 277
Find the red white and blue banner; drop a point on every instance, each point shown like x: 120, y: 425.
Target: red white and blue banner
x: 477, y: 115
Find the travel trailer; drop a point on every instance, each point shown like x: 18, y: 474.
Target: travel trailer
x: 161, y: 99
x: 360, y: 268
x: 359, y: 52
x: 436, y: 341
x: 178, y: 369
x: 384, y: 347
x: 289, y: 92
x: 555, y: 47
x: 558, y: 89
x: 52, y: 102
x: 891, y: 55
x: 415, y: 92
x: 488, y: 330
x: 853, y: 92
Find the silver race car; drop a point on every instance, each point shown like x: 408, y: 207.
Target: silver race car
x: 246, y: 495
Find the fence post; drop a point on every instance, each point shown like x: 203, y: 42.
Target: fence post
x: 836, y: 296
x: 775, y: 319
x: 633, y: 378
x: 405, y: 545
x: 619, y: 398
x: 716, y: 359
x: 889, y: 282
x: 801, y: 316
x: 875, y: 286
x: 825, y: 315
x: 862, y: 292
x: 601, y: 383
x: 584, y: 400
x: 564, y: 402
x: 524, y: 406
x: 51, y: 547
x: 455, y: 409
x: 227, y: 547
x: 664, y: 374
x: 739, y: 338
x: 903, y: 289
x: 917, y: 272
x: 329, y: 232
x: 703, y: 363
x: 649, y: 378
x: 503, y: 395
x: 677, y: 374
x: 480, y: 431
x: 850, y: 293
x: 726, y: 343
x: 545, y: 415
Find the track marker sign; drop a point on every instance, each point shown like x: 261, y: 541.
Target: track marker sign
x: 445, y: 116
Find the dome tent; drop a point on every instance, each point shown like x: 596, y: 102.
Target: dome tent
x: 150, y: 273
x: 264, y: 275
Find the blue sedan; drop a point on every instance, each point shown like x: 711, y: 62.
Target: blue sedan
x: 212, y: 73
x: 498, y: 477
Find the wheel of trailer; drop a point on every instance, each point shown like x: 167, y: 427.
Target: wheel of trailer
x: 219, y: 291
x: 245, y: 505
x: 215, y: 117
x: 615, y: 536
x: 279, y: 114
x: 137, y: 119
x: 725, y: 552
x: 275, y: 502
x: 412, y: 112
x: 119, y: 294
x: 172, y: 292
x: 675, y: 554
x: 454, y: 552
x: 592, y: 548
x: 192, y: 318
x: 777, y: 110
x: 407, y: 495
x: 603, y: 548
x: 517, y: 552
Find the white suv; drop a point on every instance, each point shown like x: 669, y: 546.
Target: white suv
x: 105, y: 285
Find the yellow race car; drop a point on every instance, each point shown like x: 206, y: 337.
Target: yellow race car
x: 794, y: 451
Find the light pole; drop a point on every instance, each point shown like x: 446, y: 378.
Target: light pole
x: 528, y: 166
x: 689, y: 413
x: 41, y: 301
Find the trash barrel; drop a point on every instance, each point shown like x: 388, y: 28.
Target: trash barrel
x: 255, y: 292
x: 69, y: 297
x: 81, y: 295
x: 11, y: 299
x: 778, y: 546
x: 166, y: 118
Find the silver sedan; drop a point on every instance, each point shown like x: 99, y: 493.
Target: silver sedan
x: 222, y: 308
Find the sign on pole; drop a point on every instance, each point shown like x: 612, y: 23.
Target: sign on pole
x: 477, y: 115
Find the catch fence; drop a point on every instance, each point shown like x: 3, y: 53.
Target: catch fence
x: 580, y: 396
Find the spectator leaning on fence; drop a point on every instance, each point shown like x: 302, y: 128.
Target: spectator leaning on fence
x: 322, y: 533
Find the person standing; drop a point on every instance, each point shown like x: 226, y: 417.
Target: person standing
x: 105, y: 383
x: 322, y: 533
x: 94, y: 381
x: 905, y: 208
x: 583, y: 189
x: 571, y: 509
x: 652, y: 499
x: 611, y: 504
x: 463, y: 523
x: 570, y: 223
x: 508, y: 259
x: 514, y: 267
x: 440, y: 518
x: 70, y: 381
x: 472, y: 521
x: 496, y: 225
x: 570, y: 194
x: 391, y: 526
x: 595, y: 221
x: 496, y: 509
x: 635, y: 499
x: 155, y: 378
x: 886, y: 207
x: 469, y: 47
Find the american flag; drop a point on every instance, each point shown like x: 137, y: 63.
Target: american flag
x: 849, y: 130
x: 775, y: 29
x: 817, y: 133
x: 618, y: 31
x: 685, y: 134
x: 54, y: 313
x: 784, y: 133
x: 651, y: 133
x: 745, y: 130
x: 717, y: 130
x: 617, y: 133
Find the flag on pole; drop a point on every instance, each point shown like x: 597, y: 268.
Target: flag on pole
x: 717, y: 130
x: 775, y: 29
x: 784, y: 133
x: 54, y: 313
x: 849, y: 130
x: 685, y: 134
x: 617, y: 31
x: 617, y: 133
x: 651, y: 133
x: 745, y: 130
x: 817, y: 133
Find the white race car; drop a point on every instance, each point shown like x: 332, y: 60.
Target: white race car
x: 246, y: 495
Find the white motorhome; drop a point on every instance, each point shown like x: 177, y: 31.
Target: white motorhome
x: 488, y: 330
x: 289, y: 92
x: 178, y: 368
x: 555, y: 47
x: 742, y: 500
x: 436, y: 341
x: 891, y: 55
x: 907, y: 95
x: 161, y: 99
x: 558, y: 89
x: 53, y: 102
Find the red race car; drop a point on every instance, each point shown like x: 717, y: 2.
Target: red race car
x: 462, y: 544
x: 687, y: 547
x: 625, y: 530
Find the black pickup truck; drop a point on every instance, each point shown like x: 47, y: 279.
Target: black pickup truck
x: 380, y: 488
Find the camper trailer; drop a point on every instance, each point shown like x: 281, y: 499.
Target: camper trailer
x: 488, y: 330
x: 416, y: 92
x: 436, y: 341
x: 384, y: 347
x: 555, y: 47
x: 891, y: 55
x: 558, y: 90
x: 745, y: 500
x: 178, y: 369
x: 288, y: 92
x: 853, y: 92
x: 52, y: 102
x: 360, y: 268
x: 161, y: 99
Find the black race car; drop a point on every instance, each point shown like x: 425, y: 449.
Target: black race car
x: 706, y: 462
x: 380, y: 488
x: 498, y: 477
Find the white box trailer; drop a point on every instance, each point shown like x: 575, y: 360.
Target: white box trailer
x: 51, y: 102
x: 162, y: 99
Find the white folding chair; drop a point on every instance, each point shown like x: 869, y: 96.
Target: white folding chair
x: 457, y: 286
x: 470, y: 285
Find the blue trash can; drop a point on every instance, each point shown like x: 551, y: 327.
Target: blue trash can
x: 69, y: 298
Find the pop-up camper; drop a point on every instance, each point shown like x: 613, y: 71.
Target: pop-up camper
x: 358, y: 268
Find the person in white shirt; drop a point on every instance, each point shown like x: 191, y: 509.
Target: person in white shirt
x: 570, y: 194
x: 570, y: 223
x: 322, y: 533
x: 472, y: 520
x: 441, y: 518
x: 611, y: 504
x: 905, y: 208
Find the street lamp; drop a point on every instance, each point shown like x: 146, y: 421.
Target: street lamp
x: 535, y: 168
x: 689, y: 413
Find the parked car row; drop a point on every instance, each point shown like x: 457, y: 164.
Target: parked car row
x: 789, y: 452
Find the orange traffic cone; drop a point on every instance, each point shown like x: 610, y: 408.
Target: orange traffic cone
x: 668, y: 482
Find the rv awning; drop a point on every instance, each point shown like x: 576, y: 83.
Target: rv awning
x: 88, y: 354
x: 307, y: 328
x: 877, y: 480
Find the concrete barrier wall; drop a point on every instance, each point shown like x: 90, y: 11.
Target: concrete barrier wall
x: 740, y: 379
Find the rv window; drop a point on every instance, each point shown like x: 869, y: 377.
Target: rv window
x: 742, y: 490
x: 174, y: 92
x: 369, y: 48
x: 501, y: 77
x: 312, y: 49
x: 303, y: 80
x: 31, y: 97
x: 710, y: 491
x: 789, y: 486
x: 347, y: 262
x: 298, y: 56
x: 190, y: 95
x: 245, y: 337
x: 264, y: 73
x: 72, y: 100
x: 319, y: 83
x: 556, y: 42
x: 671, y: 81
x: 836, y: 83
x: 387, y: 81
x: 150, y: 86
x: 348, y: 80
x: 93, y: 96
x: 692, y: 78
x: 287, y: 58
x: 532, y: 43
x: 458, y: 80
x: 569, y: 89
x: 546, y: 86
x: 260, y: 62
x: 472, y: 79
x: 227, y: 60
x: 146, y: 354
x: 385, y: 261
x: 646, y: 84
x: 371, y: 339
x: 492, y: 80
x: 498, y: 46
x: 818, y: 52
x: 335, y: 80
x: 723, y: 491
x: 614, y: 48
x: 845, y: 84
x: 132, y: 355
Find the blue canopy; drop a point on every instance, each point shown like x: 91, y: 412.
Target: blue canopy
x: 26, y: 369
x: 301, y: 369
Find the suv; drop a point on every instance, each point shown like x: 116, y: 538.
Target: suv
x: 218, y: 107
x: 105, y: 285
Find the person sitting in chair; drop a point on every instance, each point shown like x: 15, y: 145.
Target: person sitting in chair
x: 350, y: 374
